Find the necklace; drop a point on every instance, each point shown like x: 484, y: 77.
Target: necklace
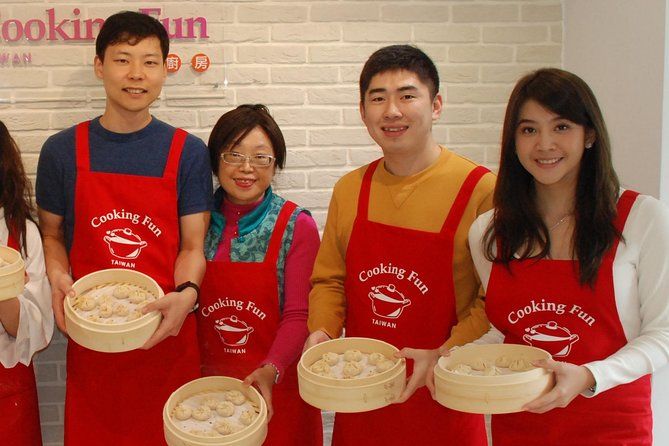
x: 560, y: 221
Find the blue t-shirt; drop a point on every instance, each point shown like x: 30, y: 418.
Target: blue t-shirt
x: 139, y: 153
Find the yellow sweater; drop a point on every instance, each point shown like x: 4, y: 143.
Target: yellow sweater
x: 421, y: 201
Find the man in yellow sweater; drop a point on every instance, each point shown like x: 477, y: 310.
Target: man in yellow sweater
x: 394, y: 263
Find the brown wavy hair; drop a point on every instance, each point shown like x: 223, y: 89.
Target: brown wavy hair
x: 15, y: 188
x: 517, y: 227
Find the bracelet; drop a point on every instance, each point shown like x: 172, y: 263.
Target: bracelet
x: 196, y: 287
x: 276, y: 372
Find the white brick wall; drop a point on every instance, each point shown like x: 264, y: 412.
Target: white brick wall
x: 302, y: 58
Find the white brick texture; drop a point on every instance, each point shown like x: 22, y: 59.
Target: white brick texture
x: 302, y: 59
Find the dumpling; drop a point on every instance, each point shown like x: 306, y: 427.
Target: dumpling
x: 235, y: 397
x: 492, y: 371
x: 106, y: 299
x: 462, y: 369
x: 211, y: 402
x: 223, y: 427
x: 247, y: 417
x: 385, y: 364
x: 352, y: 355
x: 137, y: 296
x: 105, y: 310
x: 182, y: 412
x: 121, y: 310
x: 320, y: 367
x: 351, y: 369
x: 375, y: 357
x: 202, y: 413
x: 85, y: 303
x: 331, y: 358
x: 502, y: 361
x: 520, y: 365
x: 134, y: 314
x: 480, y: 364
x: 121, y: 291
x: 225, y: 408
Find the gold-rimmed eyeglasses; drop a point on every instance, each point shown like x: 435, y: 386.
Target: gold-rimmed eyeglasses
x: 237, y: 159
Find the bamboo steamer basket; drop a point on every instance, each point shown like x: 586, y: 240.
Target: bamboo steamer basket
x: 12, y: 274
x: 112, y: 338
x: 505, y: 393
x: 252, y: 435
x: 356, y: 394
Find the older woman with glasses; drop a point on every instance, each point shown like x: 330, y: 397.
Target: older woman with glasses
x: 260, y: 251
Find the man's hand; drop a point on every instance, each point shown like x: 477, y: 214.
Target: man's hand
x: 61, y: 286
x: 174, y: 307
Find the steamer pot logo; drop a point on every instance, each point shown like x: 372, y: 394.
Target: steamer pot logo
x: 232, y: 331
x: 551, y: 337
x: 387, y: 301
x: 124, y: 244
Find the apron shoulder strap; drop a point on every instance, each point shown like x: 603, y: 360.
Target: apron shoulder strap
x: 176, y: 148
x: 462, y: 199
x: 81, y: 147
x: 624, y: 206
x: 13, y: 242
x: 279, y: 229
x: 365, y: 189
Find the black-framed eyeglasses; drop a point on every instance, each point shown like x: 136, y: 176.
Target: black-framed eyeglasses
x: 237, y: 159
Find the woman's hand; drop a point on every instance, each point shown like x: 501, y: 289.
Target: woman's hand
x: 314, y: 338
x: 570, y: 381
x: 423, y: 370
x: 263, y: 377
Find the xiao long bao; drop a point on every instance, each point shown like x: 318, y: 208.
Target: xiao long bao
x: 215, y: 410
x: 105, y: 313
x: 351, y: 375
x: 490, y: 379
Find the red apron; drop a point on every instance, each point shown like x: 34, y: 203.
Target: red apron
x: 126, y: 221
x: 237, y: 322
x: 399, y: 288
x: 18, y: 399
x: 541, y: 303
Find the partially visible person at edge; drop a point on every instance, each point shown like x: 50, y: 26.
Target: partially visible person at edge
x: 260, y: 252
x: 590, y: 259
x: 130, y: 174
x: 26, y: 320
x: 397, y: 230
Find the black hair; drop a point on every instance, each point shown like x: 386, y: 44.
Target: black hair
x: 130, y: 27
x: 400, y: 57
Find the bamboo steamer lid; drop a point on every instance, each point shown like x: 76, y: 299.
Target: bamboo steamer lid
x: 252, y: 435
x: 12, y: 273
x: 356, y: 394
x: 504, y: 393
x: 112, y: 338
